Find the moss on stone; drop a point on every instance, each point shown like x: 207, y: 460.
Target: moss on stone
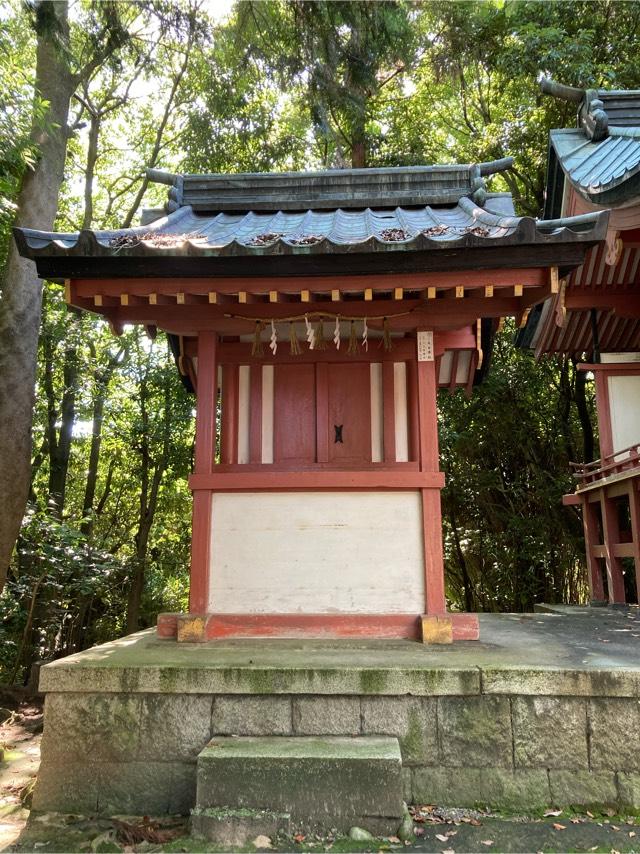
x: 373, y: 681
x: 413, y: 741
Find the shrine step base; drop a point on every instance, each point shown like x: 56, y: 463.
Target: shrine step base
x: 432, y: 629
x: 539, y: 713
x: 300, y: 782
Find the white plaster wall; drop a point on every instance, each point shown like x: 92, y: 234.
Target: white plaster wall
x: 317, y: 553
x: 624, y: 402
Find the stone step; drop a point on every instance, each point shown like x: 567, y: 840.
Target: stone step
x: 321, y: 783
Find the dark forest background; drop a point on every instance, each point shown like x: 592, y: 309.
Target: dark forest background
x: 274, y: 85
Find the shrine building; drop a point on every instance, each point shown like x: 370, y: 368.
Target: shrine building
x: 595, y: 318
x: 316, y: 315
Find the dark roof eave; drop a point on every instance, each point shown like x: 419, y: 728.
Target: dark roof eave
x: 565, y: 256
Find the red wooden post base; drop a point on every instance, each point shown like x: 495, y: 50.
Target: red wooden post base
x: 200, y: 628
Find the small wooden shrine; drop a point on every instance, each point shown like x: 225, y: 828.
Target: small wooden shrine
x: 316, y: 315
x: 596, y: 313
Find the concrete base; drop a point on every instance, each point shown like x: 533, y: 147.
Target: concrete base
x: 544, y: 710
x: 321, y: 782
x: 238, y: 827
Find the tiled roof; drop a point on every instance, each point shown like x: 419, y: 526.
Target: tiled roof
x: 601, y: 171
x: 303, y: 232
x: 601, y: 156
x: 216, y: 240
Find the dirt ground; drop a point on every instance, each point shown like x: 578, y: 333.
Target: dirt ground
x: 450, y: 831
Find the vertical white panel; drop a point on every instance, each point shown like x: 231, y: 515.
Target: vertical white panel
x: 462, y: 370
x: 400, y: 410
x: 377, y: 447
x: 267, y: 413
x: 624, y: 402
x: 243, y: 414
x: 445, y: 367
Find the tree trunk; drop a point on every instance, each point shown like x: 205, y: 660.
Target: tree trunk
x: 584, y: 414
x: 149, y: 494
x: 21, y: 298
x: 102, y: 380
x: 60, y: 454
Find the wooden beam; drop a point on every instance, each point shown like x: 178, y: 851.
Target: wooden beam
x: 528, y: 276
x: 159, y: 299
x: 131, y: 299
x: 103, y: 301
x: 611, y: 532
x: 229, y: 426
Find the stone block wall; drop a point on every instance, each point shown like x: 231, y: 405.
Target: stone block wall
x: 136, y: 752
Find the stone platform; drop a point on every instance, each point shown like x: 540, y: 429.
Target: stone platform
x: 543, y: 710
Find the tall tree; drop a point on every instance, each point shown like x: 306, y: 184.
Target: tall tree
x: 22, y: 289
x: 346, y: 52
x: 20, y: 304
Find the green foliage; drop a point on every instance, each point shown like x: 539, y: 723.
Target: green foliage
x: 505, y: 451
x: 62, y: 588
x: 17, y: 112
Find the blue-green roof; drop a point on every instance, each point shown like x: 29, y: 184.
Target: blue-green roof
x: 605, y: 173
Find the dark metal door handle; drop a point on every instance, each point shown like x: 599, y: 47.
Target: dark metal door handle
x: 338, y: 438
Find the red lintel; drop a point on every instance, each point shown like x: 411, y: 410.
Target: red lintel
x: 299, y: 481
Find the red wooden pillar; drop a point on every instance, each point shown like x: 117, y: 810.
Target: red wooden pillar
x: 634, y: 511
x: 207, y: 393
x: 431, y: 509
x: 611, y: 536
x: 229, y: 427
x: 591, y: 539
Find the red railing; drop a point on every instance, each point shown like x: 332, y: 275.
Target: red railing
x: 625, y: 461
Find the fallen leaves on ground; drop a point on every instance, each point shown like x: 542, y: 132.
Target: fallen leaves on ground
x: 552, y: 812
x: 145, y: 831
x: 262, y: 842
x: 557, y: 826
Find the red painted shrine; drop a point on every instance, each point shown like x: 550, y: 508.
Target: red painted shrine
x: 316, y: 315
x: 597, y: 312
